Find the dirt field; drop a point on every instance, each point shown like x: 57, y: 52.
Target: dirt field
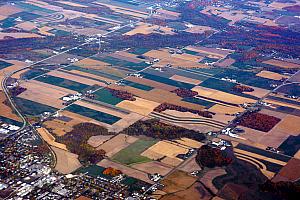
x: 153, y: 167
x: 289, y: 125
x: 225, y: 63
x: 258, y: 92
x: 282, y: 64
x: 225, y: 109
x: 145, y: 28
x: 126, y: 170
x: 209, y: 177
x: 190, y: 166
x: 43, y: 94
x: 19, y: 35
x: 78, y: 79
x: 198, y: 29
x: 8, y: 10
x: 222, y: 96
x: 96, y: 141
x: 66, y: 162
x: 50, y: 139
x: 73, y: 4
x: 164, y: 148
x: 125, y: 122
x: 116, y: 144
x: 92, y: 76
x: 6, y: 110
x: 271, y: 75
x: 219, y: 53
x: 140, y: 106
x: 185, y: 79
x: 91, y: 64
x: 189, y: 143
x: 59, y: 127
x: 177, y: 181
x: 280, y: 103
x: 151, y: 83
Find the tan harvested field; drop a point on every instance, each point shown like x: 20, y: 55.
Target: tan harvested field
x: 43, y: 94
x: 297, y: 155
x: 189, y: 143
x: 73, y: 4
x: 19, y: 35
x: 160, y: 54
x: 178, y: 62
x: 101, y: 108
x: 51, y: 87
x: 273, y: 138
x: 76, y: 78
x: 50, y: 139
x: 282, y: 64
x: 220, y: 53
x: 91, y: 64
x: 66, y: 162
x: 7, y: 10
x: 189, y: 57
x: 100, y: 78
x: 126, y: 170
x: 279, y: 115
x: 225, y: 109
x: 96, y: 141
x: 210, y: 176
x: 190, y: 165
x: 129, y: 55
x: 140, y: 106
x: 233, y: 16
x: 27, y: 26
x: 5, y: 110
x: 251, y: 135
x: 126, y: 121
x: 153, y: 167
x: 271, y: 75
x: 122, y: 55
x: 151, y: 83
x: 177, y: 181
x: 195, y: 192
x: 16, y: 65
x: 225, y: 63
x: 125, y: 10
x: 280, y: 103
x: 199, y: 29
x: 158, y: 96
x: 222, y: 96
x: 280, y: 5
x: 185, y: 79
x: 289, y: 125
x: 59, y: 127
x: 117, y: 143
x: 164, y: 148
x: 45, y: 31
x: 145, y: 28
x: 258, y: 92
x: 254, y: 155
x: 171, y: 161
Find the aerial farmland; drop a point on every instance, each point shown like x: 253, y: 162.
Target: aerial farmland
x: 165, y: 100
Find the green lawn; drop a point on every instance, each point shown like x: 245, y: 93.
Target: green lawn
x: 132, y: 154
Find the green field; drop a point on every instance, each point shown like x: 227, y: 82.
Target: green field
x: 138, y: 85
x: 4, y: 64
x: 32, y: 108
x: 61, y: 82
x: 94, y: 114
x: 10, y: 121
x: 131, y: 154
x: 106, y: 97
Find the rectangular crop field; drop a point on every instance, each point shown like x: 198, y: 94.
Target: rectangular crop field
x: 131, y: 154
x: 97, y: 115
